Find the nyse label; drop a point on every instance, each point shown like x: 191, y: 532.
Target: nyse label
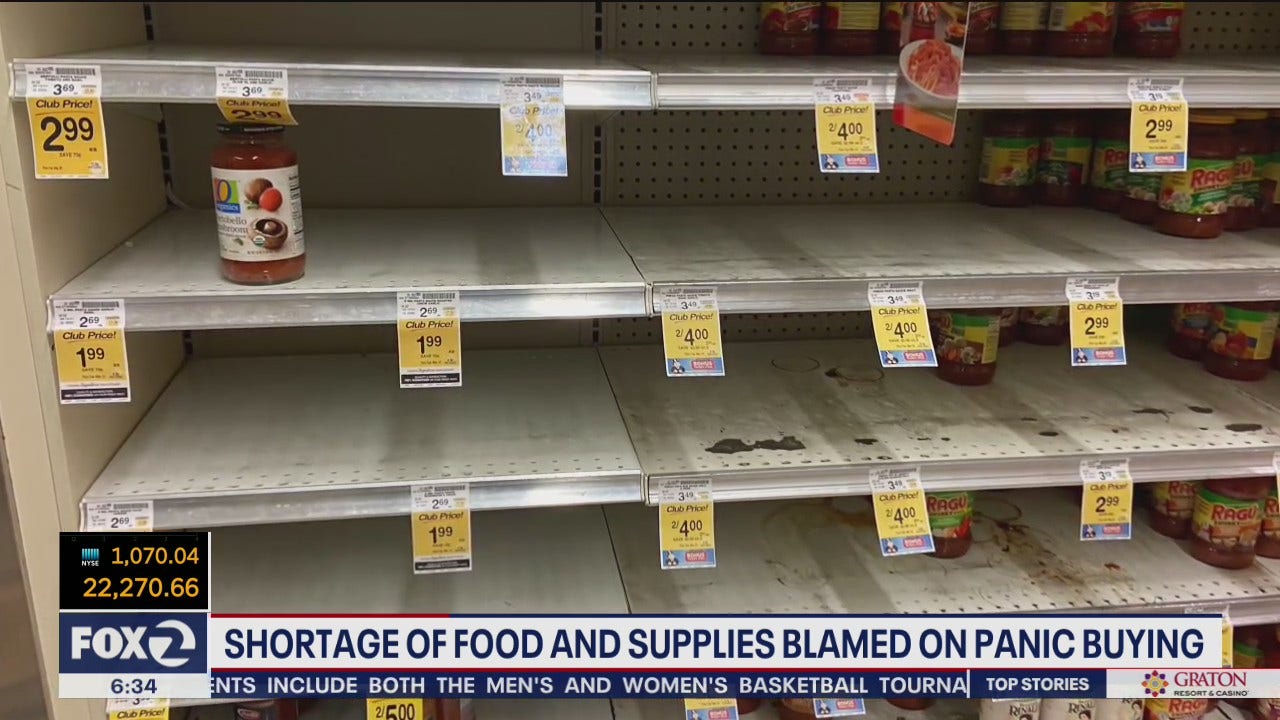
x: 441, y: 528
x: 686, y: 523
x: 64, y: 105
x: 429, y: 337
x: 89, y: 345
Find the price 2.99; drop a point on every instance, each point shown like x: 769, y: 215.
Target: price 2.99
x: 1158, y: 126
x: 69, y: 129
x: 1094, y: 324
x: 1106, y: 501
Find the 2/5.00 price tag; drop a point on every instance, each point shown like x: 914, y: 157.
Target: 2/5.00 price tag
x: 395, y: 709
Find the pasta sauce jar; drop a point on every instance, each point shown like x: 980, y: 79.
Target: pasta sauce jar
x: 1109, y: 168
x: 748, y: 705
x: 258, y: 205
x: 1022, y: 28
x: 1081, y: 29
x: 1271, y: 174
x: 1253, y: 149
x: 1193, y: 203
x: 911, y: 703
x: 1241, y: 340
x: 950, y: 521
x: 1227, y: 520
x: 1175, y: 709
x: 982, y: 28
x: 1171, y: 506
x: 1010, y: 155
x: 850, y: 28
x: 789, y: 28
x: 1150, y: 29
x: 1269, y: 540
x: 1189, y: 329
x: 795, y: 709
x: 1064, y: 159
x: 1008, y: 326
x: 1043, y: 325
x: 966, y: 342
x: 891, y: 15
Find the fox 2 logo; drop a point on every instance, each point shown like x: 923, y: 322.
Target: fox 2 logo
x: 133, y: 642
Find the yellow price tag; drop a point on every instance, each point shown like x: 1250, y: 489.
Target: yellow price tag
x: 257, y: 95
x: 902, y: 516
x: 396, y: 709
x: 710, y: 709
x: 533, y: 129
x: 690, y: 331
x: 1158, y: 123
x: 137, y: 709
x: 845, y: 118
x: 1228, y: 641
x: 1106, y: 512
x: 88, y: 342
x: 68, y: 135
x: 1097, y: 322
x: 429, y: 337
x: 441, y: 528
x: 901, y: 324
x: 686, y: 523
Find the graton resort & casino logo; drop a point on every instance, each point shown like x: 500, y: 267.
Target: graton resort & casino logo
x: 1155, y: 683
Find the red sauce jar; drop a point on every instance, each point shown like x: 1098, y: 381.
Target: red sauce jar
x: 1141, y: 197
x: 1010, y: 154
x: 1008, y: 326
x: 1271, y: 174
x: 1247, y: 654
x: 1081, y: 29
x: 850, y: 28
x: 747, y: 706
x: 1109, y: 168
x: 267, y: 710
x: 911, y: 703
x: 796, y: 709
x: 1150, y: 29
x: 789, y: 28
x: 1269, y: 540
x: 258, y: 205
x: 1241, y: 339
x: 1253, y: 149
x: 951, y: 522
x: 891, y: 15
x: 1193, y: 204
x: 1172, y: 504
x: 966, y: 342
x: 1043, y: 325
x: 1023, y: 26
x: 983, y: 28
x: 1227, y: 520
x: 1189, y: 329
x: 1065, y: 149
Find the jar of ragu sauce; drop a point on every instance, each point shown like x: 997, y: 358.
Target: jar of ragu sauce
x: 1171, y: 506
x: 850, y: 28
x: 966, y: 342
x: 1023, y: 26
x: 951, y: 522
x: 1241, y: 340
x: 1141, y: 197
x: 1269, y: 541
x: 258, y: 205
x: 1008, y: 326
x: 1109, y: 168
x: 1150, y: 29
x: 1175, y: 709
x: 1081, y: 29
x: 1010, y: 154
x: 1193, y: 204
x: 891, y: 15
x: 1227, y: 520
x: 983, y: 28
x: 1064, y: 159
x: 1043, y: 325
x: 1189, y: 329
x: 1271, y: 174
x: 789, y: 28
x: 1253, y: 147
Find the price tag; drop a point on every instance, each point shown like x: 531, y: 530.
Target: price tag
x: 846, y: 122
x: 429, y: 335
x: 902, y: 518
x: 1228, y: 639
x: 831, y: 707
x: 254, y: 95
x: 1157, y: 125
x: 137, y: 709
x: 686, y: 523
x: 533, y: 135
x: 1107, y: 510
x: 132, y: 516
x: 901, y: 324
x: 394, y: 709
x: 441, y: 528
x: 88, y: 342
x: 1097, y: 321
x: 64, y: 105
x: 711, y: 709
x: 690, y: 331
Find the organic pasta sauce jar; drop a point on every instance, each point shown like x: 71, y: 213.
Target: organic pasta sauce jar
x: 1109, y: 167
x: 1241, y: 340
x: 1064, y: 159
x: 966, y: 343
x: 1227, y: 520
x: 1171, y: 506
x: 1193, y: 203
x: 1189, y: 331
x: 1253, y: 149
x: 951, y: 521
x: 1010, y: 155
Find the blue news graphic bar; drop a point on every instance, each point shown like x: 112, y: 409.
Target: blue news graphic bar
x: 1017, y: 684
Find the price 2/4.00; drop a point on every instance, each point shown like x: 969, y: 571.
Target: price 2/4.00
x: 684, y: 527
x: 692, y: 335
x: 845, y: 130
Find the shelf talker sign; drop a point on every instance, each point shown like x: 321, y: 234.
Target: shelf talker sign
x: 88, y: 342
x: 1106, y: 513
x: 901, y: 324
x: 690, y: 331
x: 532, y: 126
x: 686, y: 523
x: 429, y: 339
x: 441, y: 528
x: 254, y: 95
x: 1158, y: 122
x: 845, y: 119
x: 137, y: 709
x: 394, y: 709
x: 64, y: 105
x: 1097, y: 321
x: 902, y: 516
x: 710, y: 709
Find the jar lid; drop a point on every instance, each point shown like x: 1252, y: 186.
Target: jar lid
x: 1209, y: 118
x: 227, y: 128
x: 1249, y: 114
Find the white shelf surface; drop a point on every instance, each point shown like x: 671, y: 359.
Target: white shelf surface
x: 820, y: 258
x: 508, y: 264
x: 1031, y: 427
x: 342, y: 76
x: 280, y: 439
x: 822, y: 556
x: 757, y: 82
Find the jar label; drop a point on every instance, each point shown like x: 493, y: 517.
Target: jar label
x: 852, y: 16
x: 1145, y: 187
x: 1008, y: 317
x: 1082, y: 17
x: 1024, y: 16
x: 1063, y: 160
x: 1226, y: 523
x: 259, y: 213
x: 950, y: 514
x: 1177, y: 708
x: 789, y: 18
x: 1271, y: 167
x: 1009, y: 161
x: 1044, y: 315
x: 1151, y: 16
x: 1246, y: 187
x: 1201, y: 189
x: 1246, y: 656
x: 1193, y: 320
x: 1109, y: 168
x: 1174, y: 500
x: 1243, y: 334
x: 983, y: 16
x: 1271, y: 517
x: 967, y: 339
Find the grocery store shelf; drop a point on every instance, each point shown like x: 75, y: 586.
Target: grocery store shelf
x: 1030, y: 428
x: 544, y: 709
x: 508, y: 263
x: 280, y: 439
x: 820, y: 258
x: 756, y: 82
x: 823, y: 557
x: 342, y: 76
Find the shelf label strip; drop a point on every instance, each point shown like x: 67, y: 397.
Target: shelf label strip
x: 690, y: 331
x: 902, y: 516
x: 901, y: 324
x: 1158, y: 122
x: 89, y: 345
x: 64, y: 106
x: 533, y: 127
